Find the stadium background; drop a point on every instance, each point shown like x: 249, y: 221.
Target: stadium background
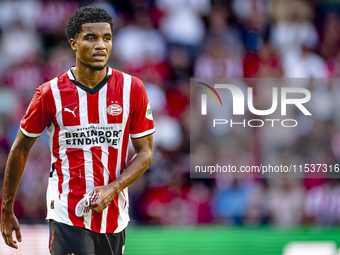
x: 164, y: 43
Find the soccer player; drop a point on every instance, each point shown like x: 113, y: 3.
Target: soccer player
x: 90, y: 112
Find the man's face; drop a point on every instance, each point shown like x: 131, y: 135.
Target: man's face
x: 93, y: 45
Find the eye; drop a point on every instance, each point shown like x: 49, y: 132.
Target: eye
x: 89, y: 38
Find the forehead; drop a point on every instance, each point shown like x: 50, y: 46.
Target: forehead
x: 96, y: 28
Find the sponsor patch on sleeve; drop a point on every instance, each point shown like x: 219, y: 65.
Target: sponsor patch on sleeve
x: 148, y: 113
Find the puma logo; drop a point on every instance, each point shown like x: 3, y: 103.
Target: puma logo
x: 68, y: 110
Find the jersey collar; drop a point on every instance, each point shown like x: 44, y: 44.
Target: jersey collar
x: 87, y: 89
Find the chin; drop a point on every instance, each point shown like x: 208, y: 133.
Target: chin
x: 96, y: 68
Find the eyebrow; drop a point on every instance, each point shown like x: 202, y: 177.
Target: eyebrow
x: 92, y: 34
x: 89, y: 34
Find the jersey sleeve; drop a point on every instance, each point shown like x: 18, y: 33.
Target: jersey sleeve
x: 141, y: 118
x: 36, y: 118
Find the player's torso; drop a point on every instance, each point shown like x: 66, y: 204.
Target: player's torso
x: 88, y: 138
x: 89, y: 119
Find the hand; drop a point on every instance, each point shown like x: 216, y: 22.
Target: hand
x: 105, y: 195
x: 9, y: 223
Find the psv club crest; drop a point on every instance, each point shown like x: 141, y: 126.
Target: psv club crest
x: 114, y: 109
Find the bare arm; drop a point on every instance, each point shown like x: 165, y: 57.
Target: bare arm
x: 136, y: 167
x: 14, y: 168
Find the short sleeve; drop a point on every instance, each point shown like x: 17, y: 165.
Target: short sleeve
x: 141, y: 117
x: 36, y: 118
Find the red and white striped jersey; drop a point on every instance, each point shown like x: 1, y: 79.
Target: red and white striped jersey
x: 88, y: 133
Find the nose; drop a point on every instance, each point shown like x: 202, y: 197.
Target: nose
x: 100, y: 44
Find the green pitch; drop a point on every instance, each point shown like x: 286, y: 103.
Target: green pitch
x: 217, y: 240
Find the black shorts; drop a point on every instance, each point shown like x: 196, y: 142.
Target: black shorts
x: 70, y: 240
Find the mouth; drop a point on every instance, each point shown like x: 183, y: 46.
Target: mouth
x: 99, y: 56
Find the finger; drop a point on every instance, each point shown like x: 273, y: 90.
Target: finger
x: 18, y: 234
x: 4, y: 237
x: 10, y: 241
x: 93, y: 205
x: 97, y: 209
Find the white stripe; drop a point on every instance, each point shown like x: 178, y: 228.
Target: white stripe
x: 83, y: 115
x: 123, y: 217
x: 62, y: 152
x: 102, y: 105
x: 89, y: 181
x: 70, y: 75
x: 57, y: 100
x: 105, y: 150
x: 109, y: 71
x: 52, y: 190
x: 126, y: 109
x: 82, y: 107
x: 145, y: 133
x: 103, y: 122
x: 29, y: 134
x: 104, y: 219
x: 65, y: 166
x: 105, y: 160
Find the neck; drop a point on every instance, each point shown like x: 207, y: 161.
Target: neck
x: 88, y: 77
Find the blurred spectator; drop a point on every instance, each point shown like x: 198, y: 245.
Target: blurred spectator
x: 330, y: 45
x: 294, y: 31
x: 264, y: 64
x: 322, y: 204
x: 53, y: 15
x: 259, y: 211
x: 181, y: 23
x: 19, y: 11
x: 231, y: 203
x: 139, y: 43
x: 244, y: 9
x: 180, y: 64
x: 221, y: 29
x: 19, y: 43
x: 217, y: 62
x: 304, y: 63
x: 285, y: 202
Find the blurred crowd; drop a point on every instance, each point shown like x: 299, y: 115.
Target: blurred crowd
x: 165, y: 43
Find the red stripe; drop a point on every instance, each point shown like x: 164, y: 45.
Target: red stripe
x: 98, y: 176
x: 77, y: 183
x: 69, y: 101
x: 124, y: 147
x: 113, y: 210
x: 92, y: 107
x: 112, y: 163
x: 112, y: 216
x: 47, y: 90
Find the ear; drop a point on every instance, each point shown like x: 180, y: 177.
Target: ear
x: 73, y: 44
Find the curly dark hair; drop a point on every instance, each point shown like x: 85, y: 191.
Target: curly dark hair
x: 88, y: 14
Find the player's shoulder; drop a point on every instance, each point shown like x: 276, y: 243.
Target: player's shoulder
x: 136, y: 83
